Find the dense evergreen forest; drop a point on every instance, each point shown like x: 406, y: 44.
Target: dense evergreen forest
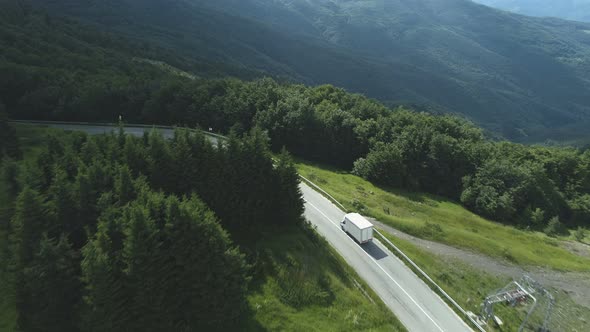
x: 101, y: 233
x: 57, y: 72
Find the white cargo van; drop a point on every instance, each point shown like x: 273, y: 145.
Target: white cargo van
x: 358, y: 227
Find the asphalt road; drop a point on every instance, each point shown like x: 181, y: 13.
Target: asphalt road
x: 412, y: 301
x: 97, y: 130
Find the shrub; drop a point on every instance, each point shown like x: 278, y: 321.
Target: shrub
x: 298, y: 287
x: 554, y: 227
x: 537, y: 217
x: 580, y: 234
x: 358, y: 205
x: 433, y: 230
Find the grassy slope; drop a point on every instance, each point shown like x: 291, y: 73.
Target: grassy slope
x: 296, y: 262
x: 347, y: 303
x: 438, y: 219
x: 469, y: 286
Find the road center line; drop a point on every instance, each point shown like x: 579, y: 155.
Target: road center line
x: 382, y: 269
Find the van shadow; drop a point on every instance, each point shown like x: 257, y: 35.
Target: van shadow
x: 374, y: 250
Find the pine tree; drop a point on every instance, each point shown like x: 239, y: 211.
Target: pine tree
x: 124, y: 187
x: 160, y: 160
x: 28, y: 223
x: 63, y: 210
x: 27, y: 226
x: 51, y: 289
x: 135, y: 155
x: 10, y: 175
x: 289, y: 198
x: 213, y: 279
x: 183, y: 172
x: 163, y: 265
x: 8, y: 141
x: 107, y: 296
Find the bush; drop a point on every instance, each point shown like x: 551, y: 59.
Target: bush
x: 507, y: 253
x: 537, y: 217
x: 554, y: 227
x: 433, y: 231
x: 299, y: 287
x: 358, y: 205
x: 580, y: 234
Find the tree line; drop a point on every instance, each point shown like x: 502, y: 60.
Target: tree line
x: 125, y: 233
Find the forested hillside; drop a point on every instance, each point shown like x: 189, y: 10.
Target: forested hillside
x: 94, y: 228
x: 444, y: 155
x: 524, y: 78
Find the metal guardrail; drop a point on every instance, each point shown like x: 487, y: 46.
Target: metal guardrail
x: 315, y: 186
x: 110, y: 124
x: 432, y: 282
x: 334, y: 200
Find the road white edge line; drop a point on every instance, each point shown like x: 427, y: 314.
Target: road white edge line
x: 382, y: 269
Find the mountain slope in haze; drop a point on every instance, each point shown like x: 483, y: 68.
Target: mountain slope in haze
x: 575, y: 10
x: 520, y: 76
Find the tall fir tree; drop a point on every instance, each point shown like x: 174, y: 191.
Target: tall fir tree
x: 289, y: 204
x: 9, y: 145
x: 63, y: 210
x: 161, y: 265
x: 27, y: 226
x: 51, y: 285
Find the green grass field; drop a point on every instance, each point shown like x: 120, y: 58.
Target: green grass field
x: 439, y: 219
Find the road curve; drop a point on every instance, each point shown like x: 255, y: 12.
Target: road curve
x: 105, y: 129
x: 412, y: 301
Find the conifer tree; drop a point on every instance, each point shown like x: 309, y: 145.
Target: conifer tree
x: 161, y: 265
x: 135, y: 155
x: 50, y: 289
x: 27, y: 226
x: 289, y: 200
x: 102, y: 272
x: 159, y: 154
x: 8, y: 141
x: 124, y: 187
x: 63, y: 210
x: 28, y: 223
x: 10, y: 175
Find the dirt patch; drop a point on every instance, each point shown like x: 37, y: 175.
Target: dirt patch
x: 576, y: 284
x: 577, y: 248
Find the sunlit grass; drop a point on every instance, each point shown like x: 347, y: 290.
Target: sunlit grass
x: 439, y: 219
x: 469, y: 286
x: 349, y: 305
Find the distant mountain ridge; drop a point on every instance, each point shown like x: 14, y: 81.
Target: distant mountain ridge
x: 575, y: 10
x: 520, y: 76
